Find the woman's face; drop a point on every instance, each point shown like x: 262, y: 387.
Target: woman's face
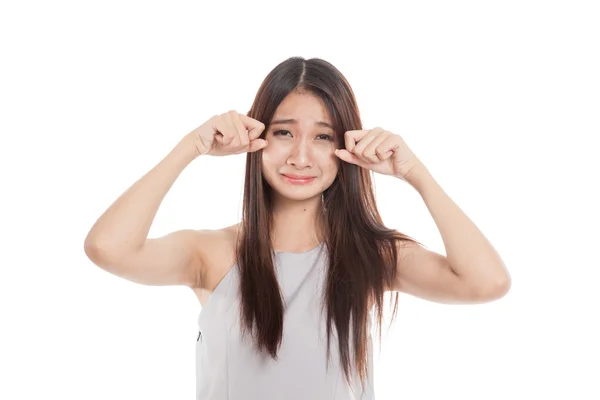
x: 301, y: 143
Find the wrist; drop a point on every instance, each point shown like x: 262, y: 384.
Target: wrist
x: 417, y: 175
x: 186, y: 148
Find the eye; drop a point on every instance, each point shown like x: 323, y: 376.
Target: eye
x: 285, y: 132
x: 327, y: 137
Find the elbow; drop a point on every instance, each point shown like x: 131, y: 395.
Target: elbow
x: 497, y: 290
x: 97, y: 253
x: 91, y: 247
x: 93, y: 252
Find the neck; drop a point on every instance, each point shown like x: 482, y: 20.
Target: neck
x: 297, y: 224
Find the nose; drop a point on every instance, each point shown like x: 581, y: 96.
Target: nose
x: 300, y: 156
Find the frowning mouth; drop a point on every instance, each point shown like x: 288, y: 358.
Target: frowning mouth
x: 298, y: 179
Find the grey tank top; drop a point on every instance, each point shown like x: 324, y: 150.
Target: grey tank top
x: 229, y: 368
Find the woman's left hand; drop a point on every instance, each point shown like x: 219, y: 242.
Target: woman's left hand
x: 378, y: 150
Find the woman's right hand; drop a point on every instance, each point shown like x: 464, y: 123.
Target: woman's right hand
x: 228, y: 133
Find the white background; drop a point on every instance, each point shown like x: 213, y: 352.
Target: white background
x: 500, y: 100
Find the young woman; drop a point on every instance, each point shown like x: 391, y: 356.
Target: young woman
x: 287, y: 293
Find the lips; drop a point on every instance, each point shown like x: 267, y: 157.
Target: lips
x: 298, y: 176
x: 298, y: 179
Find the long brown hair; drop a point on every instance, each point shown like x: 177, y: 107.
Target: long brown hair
x: 362, y: 251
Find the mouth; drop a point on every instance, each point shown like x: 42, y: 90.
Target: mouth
x: 298, y: 179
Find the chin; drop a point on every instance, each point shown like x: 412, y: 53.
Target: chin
x: 297, y: 194
x: 291, y: 191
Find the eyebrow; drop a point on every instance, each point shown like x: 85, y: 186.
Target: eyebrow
x: 293, y: 121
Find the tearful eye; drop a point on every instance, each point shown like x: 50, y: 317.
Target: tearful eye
x: 327, y: 137
x: 323, y: 136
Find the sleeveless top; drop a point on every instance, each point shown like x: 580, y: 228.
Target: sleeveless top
x: 229, y: 368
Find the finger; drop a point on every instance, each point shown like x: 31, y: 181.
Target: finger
x: 257, y: 144
x: 351, y: 137
x: 255, y: 127
x: 240, y: 129
x: 387, y: 147
x: 215, y: 125
x: 363, y: 143
x: 372, y: 151
x: 222, y: 125
x: 235, y: 141
x: 345, y: 155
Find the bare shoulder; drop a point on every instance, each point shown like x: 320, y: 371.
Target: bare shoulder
x: 217, y: 249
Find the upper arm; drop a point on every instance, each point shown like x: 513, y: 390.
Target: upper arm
x: 174, y: 259
x: 428, y: 275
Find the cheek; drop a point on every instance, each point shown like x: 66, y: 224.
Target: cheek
x: 331, y: 166
x: 334, y: 171
x: 270, y: 164
x: 266, y: 156
x: 273, y: 155
x: 335, y: 164
x: 333, y: 160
